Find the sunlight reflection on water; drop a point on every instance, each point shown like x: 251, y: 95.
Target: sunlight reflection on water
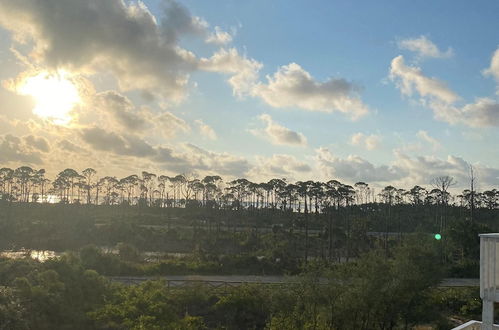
x: 44, y: 255
x: 40, y: 255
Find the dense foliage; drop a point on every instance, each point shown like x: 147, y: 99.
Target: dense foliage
x: 374, y: 292
x: 239, y: 242
x: 358, y: 260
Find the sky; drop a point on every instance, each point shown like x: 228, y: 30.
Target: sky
x: 385, y: 92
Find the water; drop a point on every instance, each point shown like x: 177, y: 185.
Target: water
x: 40, y: 255
x: 43, y: 255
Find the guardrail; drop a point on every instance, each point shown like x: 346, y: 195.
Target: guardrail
x: 179, y: 283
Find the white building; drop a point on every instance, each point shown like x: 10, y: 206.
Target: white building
x: 489, y: 282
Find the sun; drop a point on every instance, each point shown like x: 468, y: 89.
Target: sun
x: 55, y: 96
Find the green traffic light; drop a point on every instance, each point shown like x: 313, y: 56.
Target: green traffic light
x: 438, y: 237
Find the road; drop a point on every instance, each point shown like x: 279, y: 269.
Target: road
x: 234, y: 280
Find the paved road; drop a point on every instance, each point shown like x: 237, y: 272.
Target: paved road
x: 179, y: 280
x: 460, y: 282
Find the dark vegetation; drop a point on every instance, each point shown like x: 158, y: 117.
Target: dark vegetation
x: 364, y: 260
x: 373, y: 292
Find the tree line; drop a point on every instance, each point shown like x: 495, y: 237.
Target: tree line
x: 28, y: 185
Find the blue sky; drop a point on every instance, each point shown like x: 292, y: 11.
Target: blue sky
x: 344, y: 39
x: 340, y: 102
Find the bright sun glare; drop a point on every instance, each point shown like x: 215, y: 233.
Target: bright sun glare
x: 54, y: 94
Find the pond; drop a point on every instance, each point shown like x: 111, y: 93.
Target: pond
x: 43, y: 255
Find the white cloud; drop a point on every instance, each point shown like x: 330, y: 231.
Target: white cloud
x: 206, y: 130
x: 16, y: 150
x: 424, y: 136
x: 410, y: 79
x: 278, y: 134
x: 440, y: 99
x: 483, y: 112
x: 169, y: 125
x: 219, y: 37
x: 369, y: 142
x: 143, y: 53
x: 114, y: 36
x: 69, y: 146
x: 292, y: 86
x: 122, y: 111
x: 354, y: 168
x: 493, y: 70
x: 404, y: 171
x: 185, y: 158
x: 122, y: 115
x: 212, y: 162
x: 243, y: 71
x: 424, y: 47
x: 14, y: 126
x: 178, y: 21
x: 125, y: 145
x: 37, y: 143
x: 279, y: 166
x: 422, y: 169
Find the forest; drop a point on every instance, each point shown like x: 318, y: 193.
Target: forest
x: 25, y: 184
x: 354, y: 258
